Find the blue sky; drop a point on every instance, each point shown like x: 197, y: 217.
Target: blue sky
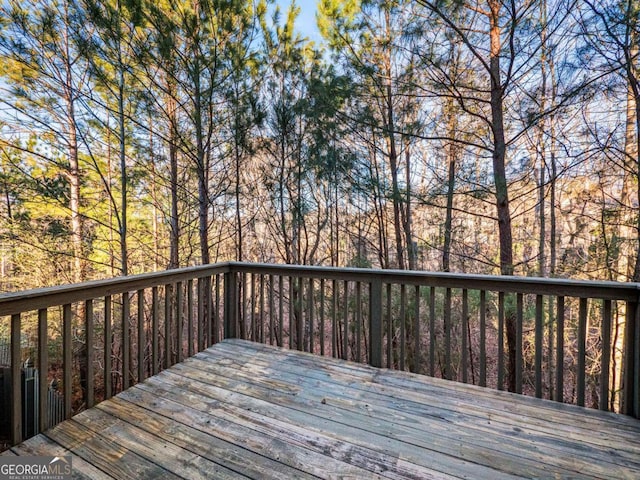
x: 306, y: 23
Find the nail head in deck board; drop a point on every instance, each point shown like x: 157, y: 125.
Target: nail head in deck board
x: 267, y: 403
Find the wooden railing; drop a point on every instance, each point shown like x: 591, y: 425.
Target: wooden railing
x: 575, y: 341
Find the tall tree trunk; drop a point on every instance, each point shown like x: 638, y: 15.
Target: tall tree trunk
x: 500, y: 177
x: 392, y: 151
x: 635, y: 161
x: 395, y: 189
x: 74, y: 166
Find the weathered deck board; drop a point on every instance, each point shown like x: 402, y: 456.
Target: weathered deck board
x: 244, y: 410
x: 421, y: 398
x: 531, y: 446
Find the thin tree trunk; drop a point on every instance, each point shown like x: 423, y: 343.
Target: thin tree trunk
x: 239, y: 235
x: 408, y: 233
x: 202, y: 170
x: 451, y: 152
x: 174, y: 222
x: 123, y: 170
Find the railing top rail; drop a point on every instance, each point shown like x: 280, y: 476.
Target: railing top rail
x: 17, y: 302
x: 499, y: 283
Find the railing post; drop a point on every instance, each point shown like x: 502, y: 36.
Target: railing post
x: 43, y: 369
x: 230, y: 304
x: 631, y: 400
x: 16, y: 380
x: 67, y: 350
x: 375, y: 328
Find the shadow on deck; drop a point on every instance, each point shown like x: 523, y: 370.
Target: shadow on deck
x: 241, y: 409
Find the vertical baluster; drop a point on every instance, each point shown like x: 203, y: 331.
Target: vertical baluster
x: 108, y: 346
x: 190, y: 351
x: 390, y: 329
x: 291, y: 312
x: 281, y: 311
x: 88, y: 325
x: 216, y: 318
x: 43, y: 369
x: 633, y: 406
x: 538, y: 341
x: 358, y: 321
x: 416, y: 334
x: 334, y: 320
x: 560, y: 350
x: 16, y: 379
x: 310, y: 304
x: 252, y: 312
x: 230, y: 299
x: 126, y: 341
x: 272, y: 324
x: 245, y: 308
x: 167, y: 326
x: 200, y: 341
x: 209, y: 311
x: 519, y: 334
x: 550, y: 347
x: 141, y: 335
x: 403, y: 326
x: 67, y: 364
x: 261, y: 313
x: 345, y: 338
x: 501, y: 341
x: 483, y: 338
x: 432, y: 331
x: 606, y: 355
x: 630, y: 399
x: 155, y: 330
x: 179, y: 320
x: 375, y: 319
x: 300, y: 319
x: 465, y: 333
x: 582, y: 340
x: 322, y: 288
x: 448, y: 374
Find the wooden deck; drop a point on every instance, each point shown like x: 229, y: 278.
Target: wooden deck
x: 244, y: 410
